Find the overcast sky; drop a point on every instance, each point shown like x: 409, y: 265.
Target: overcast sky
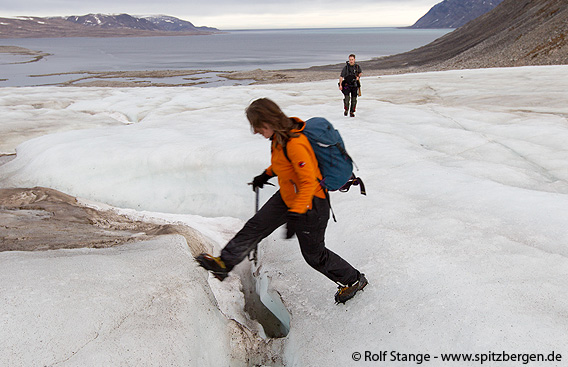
x: 243, y: 14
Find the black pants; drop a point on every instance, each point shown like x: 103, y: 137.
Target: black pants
x: 310, y: 233
x: 350, y: 94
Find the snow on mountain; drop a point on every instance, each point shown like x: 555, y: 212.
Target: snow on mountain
x: 96, y: 25
x: 155, y: 22
x: 169, y: 23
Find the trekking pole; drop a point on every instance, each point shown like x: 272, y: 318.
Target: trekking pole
x: 253, y: 256
x: 257, y: 194
x: 254, y: 253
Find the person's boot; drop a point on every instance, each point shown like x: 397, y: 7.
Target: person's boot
x: 353, y: 107
x: 214, y: 264
x: 345, y: 293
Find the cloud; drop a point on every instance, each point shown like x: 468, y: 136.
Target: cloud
x: 243, y: 14
x: 318, y: 14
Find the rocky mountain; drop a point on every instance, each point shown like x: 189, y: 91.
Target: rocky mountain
x: 98, y: 25
x: 150, y: 22
x: 112, y: 21
x: 455, y: 13
x: 515, y: 33
x: 172, y: 24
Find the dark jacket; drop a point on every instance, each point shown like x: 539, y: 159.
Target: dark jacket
x: 348, y: 70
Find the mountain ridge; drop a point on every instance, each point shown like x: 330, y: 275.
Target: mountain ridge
x: 454, y: 13
x: 515, y: 33
x: 98, y: 25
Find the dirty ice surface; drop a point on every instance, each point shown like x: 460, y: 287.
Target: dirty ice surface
x: 462, y: 234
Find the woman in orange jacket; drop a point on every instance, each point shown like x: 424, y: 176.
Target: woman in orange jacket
x: 300, y: 203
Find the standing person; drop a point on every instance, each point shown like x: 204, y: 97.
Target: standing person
x: 349, y: 84
x: 300, y: 203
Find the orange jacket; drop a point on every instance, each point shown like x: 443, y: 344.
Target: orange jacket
x: 298, y: 177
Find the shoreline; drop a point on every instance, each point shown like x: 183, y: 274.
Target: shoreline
x: 194, y: 77
x: 22, y: 51
x: 191, y: 78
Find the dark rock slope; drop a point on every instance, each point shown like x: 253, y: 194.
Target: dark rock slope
x: 455, y: 13
x: 515, y: 33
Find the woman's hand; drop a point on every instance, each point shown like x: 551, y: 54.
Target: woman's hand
x: 260, y: 180
x: 292, y: 219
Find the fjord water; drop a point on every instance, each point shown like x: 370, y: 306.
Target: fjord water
x: 232, y: 50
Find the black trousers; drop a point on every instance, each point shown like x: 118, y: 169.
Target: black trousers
x: 310, y: 232
x: 350, y: 94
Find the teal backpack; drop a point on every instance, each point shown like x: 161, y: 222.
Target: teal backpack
x: 335, y: 164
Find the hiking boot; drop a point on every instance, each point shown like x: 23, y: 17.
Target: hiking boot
x: 214, y: 264
x: 344, y: 112
x: 346, y: 293
x: 352, y: 114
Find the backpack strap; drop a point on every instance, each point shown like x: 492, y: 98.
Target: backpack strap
x: 354, y: 181
x: 285, y: 149
x: 344, y: 152
x: 324, y: 189
x: 329, y: 203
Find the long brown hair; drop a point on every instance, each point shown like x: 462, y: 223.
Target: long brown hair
x: 264, y: 111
